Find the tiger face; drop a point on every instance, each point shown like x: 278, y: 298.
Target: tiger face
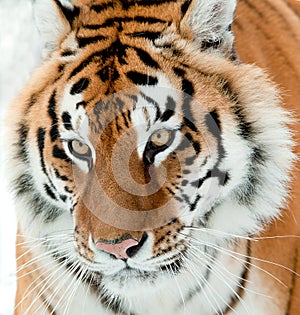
x: 139, y: 135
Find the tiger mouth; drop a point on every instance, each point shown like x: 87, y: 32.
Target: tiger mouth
x: 131, y: 272
x: 171, y: 266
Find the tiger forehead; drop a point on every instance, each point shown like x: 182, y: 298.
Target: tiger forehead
x: 119, y: 13
x: 113, y: 44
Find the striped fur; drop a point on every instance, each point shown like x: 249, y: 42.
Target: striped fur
x: 205, y: 206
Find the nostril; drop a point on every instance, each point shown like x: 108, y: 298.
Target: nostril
x: 123, y: 249
x: 131, y: 251
x: 116, y: 249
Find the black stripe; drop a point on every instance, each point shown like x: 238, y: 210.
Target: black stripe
x: 188, y: 89
x: 223, y: 177
x: 226, y: 89
x: 49, y: 192
x: 146, y: 58
x: 168, y: 113
x: 63, y: 198
x: 170, y: 107
x: 32, y: 101
x: 194, y: 204
x: 60, y: 154
x: 198, y: 183
x: 67, y: 53
x: 66, y: 118
x: 149, y: 100
x: 185, y: 6
x: 104, y: 73
x: 147, y: 34
x: 41, y: 144
x: 51, y: 111
x: 84, y: 41
x: 158, y: 112
x: 101, y: 7
x: 195, y: 144
x: 80, y: 86
x: 252, y: 181
x: 61, y: 177
x: 115, y: 49
x: 60, y: 69
x: 85, y: 63
x: 22, y: 133
x: 245, y: 127
x: 125, y: 120
x: 68, y: 190
x: 213, y: 123
x: 92, y: 26
x: 171, y: 191
x: 141, y: 79
x: 179, y: 72
x: 146, y: 19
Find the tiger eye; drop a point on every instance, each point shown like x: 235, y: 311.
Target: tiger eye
x: 79, y: 148
x: 161, y: 137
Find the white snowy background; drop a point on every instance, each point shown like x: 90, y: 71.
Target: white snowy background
x: 19, y: 54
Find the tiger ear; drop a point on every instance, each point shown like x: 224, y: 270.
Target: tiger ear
x: 209, y: 23
x: 53, y: 19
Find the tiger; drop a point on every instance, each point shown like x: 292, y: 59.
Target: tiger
x: 153, y: 159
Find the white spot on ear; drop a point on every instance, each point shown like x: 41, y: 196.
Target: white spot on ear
x: 209, y: 21
x: 51, y: 22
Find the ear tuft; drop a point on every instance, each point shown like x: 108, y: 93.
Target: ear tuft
x: 210, y: 21
x: 53, y: 19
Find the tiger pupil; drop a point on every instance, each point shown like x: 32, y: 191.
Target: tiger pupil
x: 79, y: 147
x: 160, y: 138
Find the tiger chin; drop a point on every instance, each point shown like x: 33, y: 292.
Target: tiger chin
x: 147, y: 161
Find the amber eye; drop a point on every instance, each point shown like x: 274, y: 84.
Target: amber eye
x: 158, y: 142
x: 161, y: 137
x: 79, y: 149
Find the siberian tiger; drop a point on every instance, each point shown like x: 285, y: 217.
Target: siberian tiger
x: 151, y: 166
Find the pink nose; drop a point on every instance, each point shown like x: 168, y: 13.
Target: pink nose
x: 119, y: 249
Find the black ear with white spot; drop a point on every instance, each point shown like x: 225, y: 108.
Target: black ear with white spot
x: 209, y: 23
x: 54, y: 19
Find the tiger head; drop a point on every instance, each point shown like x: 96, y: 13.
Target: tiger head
x: 141, y: 137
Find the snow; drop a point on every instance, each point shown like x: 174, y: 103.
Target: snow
x: 20, y: 53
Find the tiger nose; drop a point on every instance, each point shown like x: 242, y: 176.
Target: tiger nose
x: 121, y: 249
